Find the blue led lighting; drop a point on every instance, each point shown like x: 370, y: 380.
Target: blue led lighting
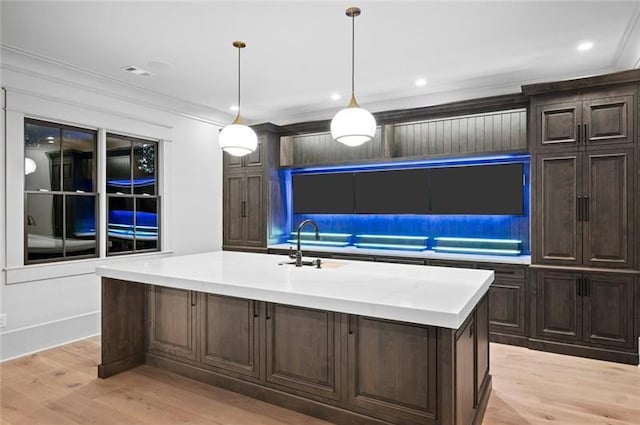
x: 416, y: 238
x: 314, y: 242
x: 391, y: 246
x: 505, y: 241
x: 415, y: 164
x: 127, y: 182
x: 479, y: 250
x: 328, y: 235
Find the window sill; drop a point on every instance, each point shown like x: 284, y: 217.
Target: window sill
x: 53, y: 270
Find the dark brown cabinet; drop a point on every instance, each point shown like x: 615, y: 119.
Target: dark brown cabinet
x: 243, y: 210
x: 593, y: 119
x: 588, y: 308
x: 171, y: 322
x: 303, y: 350
x: 507, y: 307
x: 253, y: 197
x: 584, y: 213
x: 229, y: 337
x: 392, y: 370
x: 465, y: 379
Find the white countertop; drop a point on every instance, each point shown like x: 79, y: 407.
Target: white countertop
x: 437, y: 296
x: 426, y: 254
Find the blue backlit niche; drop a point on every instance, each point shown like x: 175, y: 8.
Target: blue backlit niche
x: 467, y: 226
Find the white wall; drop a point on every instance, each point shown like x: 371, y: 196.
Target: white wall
x: 51, y: 304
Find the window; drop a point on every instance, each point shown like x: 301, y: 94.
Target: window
x: 60, y: 192
x: 132, y: 195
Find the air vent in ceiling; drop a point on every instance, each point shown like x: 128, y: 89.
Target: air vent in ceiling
x: 137, y: 70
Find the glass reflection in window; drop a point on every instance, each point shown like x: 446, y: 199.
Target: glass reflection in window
x: 78, y: 149
x: 118, y: 165
x: 44, y: 226
x: 42, y: 157
x: 80, y: 229
x: 120, y: 224
x: 146, y: 223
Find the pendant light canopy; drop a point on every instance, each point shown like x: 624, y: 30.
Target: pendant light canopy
x: 353, y: 125
x: 238, y: 139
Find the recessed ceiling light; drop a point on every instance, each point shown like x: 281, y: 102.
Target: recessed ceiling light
x: 137, y: 70
x: 584, y: 46
x: 234, y: 108
x: 335, y: 96
x: 420, y: 82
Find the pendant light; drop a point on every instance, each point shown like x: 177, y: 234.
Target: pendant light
x: 353, y: 125
x: 238, y: 139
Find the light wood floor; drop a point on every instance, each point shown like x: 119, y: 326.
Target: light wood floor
x: 59, y: 387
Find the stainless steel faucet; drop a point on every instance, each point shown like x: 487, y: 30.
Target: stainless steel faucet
x: 298, y: 251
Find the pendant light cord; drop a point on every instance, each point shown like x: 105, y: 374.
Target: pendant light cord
x: 239, y: 80
x: 353, y: 54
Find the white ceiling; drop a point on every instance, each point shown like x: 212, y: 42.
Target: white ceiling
x: 298, y: 52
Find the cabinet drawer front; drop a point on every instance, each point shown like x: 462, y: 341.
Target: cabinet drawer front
x: 392, y: 370
x: 302, y: 352
x: 503, y: 271
x: 507, y: 307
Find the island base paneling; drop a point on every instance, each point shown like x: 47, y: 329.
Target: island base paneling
x: 343, y: 368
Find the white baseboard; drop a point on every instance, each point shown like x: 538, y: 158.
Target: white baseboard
x: 31, y: 339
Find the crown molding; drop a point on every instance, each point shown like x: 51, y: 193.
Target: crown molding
x: 58, y: 72
x: 628, y: 53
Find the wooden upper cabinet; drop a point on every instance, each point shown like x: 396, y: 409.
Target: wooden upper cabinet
x: 608, y: 120
x: 254, y: 220
x: 303, y: 350
x: 559, y: 231
x: 171, y: 322
x: 253, y: 160
x: 558, y: 124
x: 243, y: 213
x: 587, y: 119
x: 228, y: 335
x: 608, y: 211
x: 392, y: 370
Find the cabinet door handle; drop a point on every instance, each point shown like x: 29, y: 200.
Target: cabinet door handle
x: 268, y: 311
x: 243, y: 209
x: 349, y: 323
x: 587, y: 287
x: 255, y: 308
x: 578, y: 134
x: 471, y: 330
x: 586, y: 207
x: 585, y: 133
x: 579, y: 286
x: 579, y: 208
x: 194, y: 299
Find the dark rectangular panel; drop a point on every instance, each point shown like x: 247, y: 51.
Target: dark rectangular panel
x: 391, y: 192
x: 323, y: 193
x: 481, y: 189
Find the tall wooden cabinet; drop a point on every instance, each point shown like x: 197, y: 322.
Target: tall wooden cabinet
x: 585, y: 216
x: 252, y: 195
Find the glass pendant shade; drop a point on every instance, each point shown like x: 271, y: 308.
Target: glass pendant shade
x: 238, y: 139
x: 353, y: 126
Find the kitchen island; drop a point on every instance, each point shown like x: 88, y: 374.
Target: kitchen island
x: 351, y: 343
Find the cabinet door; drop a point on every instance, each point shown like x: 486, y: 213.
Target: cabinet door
x: 465, y: 379
x: 229, y: 341
x: 507, y: 307
x: 558, y: 124
x: 233, y: 209
x: 482, y: 345
x: 231, y: 162
x: 255, y: 159
x: 254, y: 211
x: 392, y: 370
x: 303, y: 350
x: 558, y: 306
x: 171, y: 321
x: 557, y: 229
x: 609, y: 310
x: 608, y: 225
x: 608, y: 120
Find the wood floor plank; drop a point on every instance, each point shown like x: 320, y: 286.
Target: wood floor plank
x: 60, y: 387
